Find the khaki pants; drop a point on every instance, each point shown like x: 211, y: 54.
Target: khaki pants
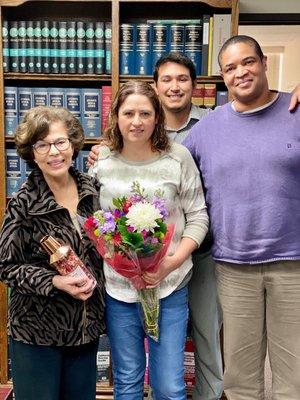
x: 261, y: 306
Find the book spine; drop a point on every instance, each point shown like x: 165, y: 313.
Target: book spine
x: 14, y: 172
x: 56, y: 97
x: 99, y: 63
x: 143, y: 64
x: 210, y: 46
x: 91, y: 118
x: 80, y: 47
x: 13, y: 45
x: 24, y: 101
x: 159, y: 42
x: 5, y: 46
x: 177, y: 38
x: 30, y: 46
x: 22, y: 38
x: 71, y: 47
x: 193, y: 45
x: 222, y: 97
x: 210, y: 95
x: 103, y: 353
x: 106, y: 105
x: 198, y: 95
x: 74, y: 101
x: 82, y: 163
x: 10, y: 110
x: 37, y: 47
x: 39, y: 97
x: 205, y: 43
x: 107, y: 39
x: 54, y: 47
x: 89, y: 46
x: 127, y: 49
x: 222, y: 32
x: 62, y: 33
x: 45, y: 47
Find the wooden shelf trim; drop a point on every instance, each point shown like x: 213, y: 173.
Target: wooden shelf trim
x: 55, y: 77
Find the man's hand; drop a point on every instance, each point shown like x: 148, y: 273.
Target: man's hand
x: 93, y: 155
x: 79, y: 288
x: 295, y: 98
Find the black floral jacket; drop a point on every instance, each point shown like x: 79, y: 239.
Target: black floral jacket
x: 38, y: 312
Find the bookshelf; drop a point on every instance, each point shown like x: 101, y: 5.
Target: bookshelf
x: 116, y: 12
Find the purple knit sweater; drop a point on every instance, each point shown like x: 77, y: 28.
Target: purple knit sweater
x: 250, y: 165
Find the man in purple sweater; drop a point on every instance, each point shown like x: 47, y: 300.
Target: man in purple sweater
x: 249, y: 154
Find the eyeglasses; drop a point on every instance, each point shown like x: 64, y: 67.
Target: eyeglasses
x: 43, y: 147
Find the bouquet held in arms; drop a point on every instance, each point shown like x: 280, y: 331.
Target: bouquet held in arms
x: 133, y: 238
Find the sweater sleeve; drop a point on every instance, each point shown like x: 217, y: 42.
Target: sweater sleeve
x: 16, y: 250
x: 192, y: 200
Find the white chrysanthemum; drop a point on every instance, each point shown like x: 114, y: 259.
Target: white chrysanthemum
x: 142, y: 216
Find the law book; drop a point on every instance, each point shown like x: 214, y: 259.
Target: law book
x: 222, y: 32
x: 30, y: 47
x: 210, y: 45
x: 103, y: 360
x: 173, y: 21
x: 71, y: 47
x: 107, y: 39
x: 127, y: 48
x: 189, y: 363
x: 15, y: 174
x: 40, y: 97
x: 22, y: 42
x: 143, y: 64
x: 13, y: 46
x: 106, y: 106
x: 82, y: 161
x: 91, y: 112
x: 37, y: 47
x: 56, y: 97
x: 99, y: 48
x: 80, y: 47
x: 198, y: 95
x: 10, y: 110
x: 62, y: 33
x: 73, y: 100
x: 89, y: 46
x: 177, y: 38
x: 24, y: 101
x: 5, y: 45
x: 54, y: 47
x: 209, y: 95
x: 45, y: 30
x: 205, y: 44
x: 222, y: 97
x: 159, y: 42
x: 193, y: 44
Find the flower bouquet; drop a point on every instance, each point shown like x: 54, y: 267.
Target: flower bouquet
x: 133, y: 238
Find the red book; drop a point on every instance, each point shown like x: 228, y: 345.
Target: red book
x: 106, y: 105
x: 189, y: 363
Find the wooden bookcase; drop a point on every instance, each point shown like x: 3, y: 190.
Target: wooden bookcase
x: 116, y: 11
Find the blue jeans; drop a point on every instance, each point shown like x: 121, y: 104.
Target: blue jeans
x: 166, y: 357
x: 54, y: 372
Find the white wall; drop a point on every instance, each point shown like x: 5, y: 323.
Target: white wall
x: 270, y: 6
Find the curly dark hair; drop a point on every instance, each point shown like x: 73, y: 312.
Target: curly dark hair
x: 35, y: 126
x: 112, y: 135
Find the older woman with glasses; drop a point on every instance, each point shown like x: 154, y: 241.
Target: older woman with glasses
x: 54, y: 320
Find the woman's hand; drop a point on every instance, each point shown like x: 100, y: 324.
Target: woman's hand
x: 169, y: 264
x: 79, y: 288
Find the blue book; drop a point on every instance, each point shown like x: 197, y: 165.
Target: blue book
x: 89, y: 47
x: 30, y: 46
x: 71, y: 47
x: 37, y: 46
x: 24, y: 101
x: 143, y: 64
x: 22, y: 39
x: 27, y: 169
x: 82, y: 161
x: 80, y: 47
x: 107, y: 41
x: 39, y: 97
x: 91, y: 112
x: 176, y: 38
x: 56, y: 97
x: 160, y: 42
x: 127, y: 48
x: 45, y: 42
x: 73, y: 101
x: 15, y: 173
x: 62, y: 33
x: 5, y: 46
x: 54, y: 47
x: 10, y: 110
x: 193, y: 45
x: 99, y: 48
x: 13, y: 46
x: 222, y: 97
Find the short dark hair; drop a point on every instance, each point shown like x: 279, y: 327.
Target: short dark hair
x: 177, y: 58
x: 112, y: 135
x: 35, y: 126
x: 241, y: 39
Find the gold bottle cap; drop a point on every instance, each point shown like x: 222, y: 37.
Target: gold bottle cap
x: 50, y: 244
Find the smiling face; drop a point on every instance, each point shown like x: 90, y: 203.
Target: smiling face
x: 136, y: 120
x: 244, y: 74
x: 174, y: 87
x: 56, y: 163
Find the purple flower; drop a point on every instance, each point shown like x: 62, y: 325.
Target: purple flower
x: 160, y: 204
x: 108, y: 226
x: 130, y: 229
x: 154, y: 240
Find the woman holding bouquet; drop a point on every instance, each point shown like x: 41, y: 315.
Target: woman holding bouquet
x: 54, y: 321
x: 139, y: 150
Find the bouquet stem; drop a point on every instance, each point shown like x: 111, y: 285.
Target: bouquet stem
x: 150, y: 311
